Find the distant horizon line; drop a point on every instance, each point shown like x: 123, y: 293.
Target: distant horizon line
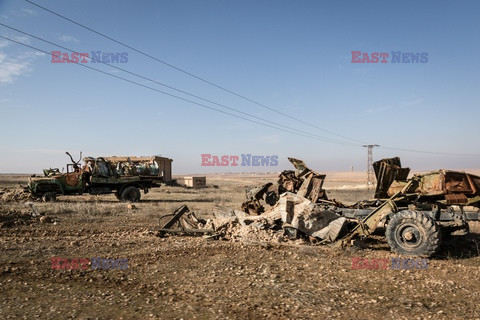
x: 255, y: 172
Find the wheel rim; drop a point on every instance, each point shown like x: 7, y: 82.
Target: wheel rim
x: 409, y: 236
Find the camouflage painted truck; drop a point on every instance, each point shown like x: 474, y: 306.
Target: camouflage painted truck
x: 96, y: 176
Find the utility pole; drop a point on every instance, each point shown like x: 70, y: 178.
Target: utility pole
x: 370, y: 177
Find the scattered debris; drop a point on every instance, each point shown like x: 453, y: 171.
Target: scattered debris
x: 235, y: 225
x: 303, y: 215
x: 35, y: 212
x: 254, y: 205
x: 415, y: 214
x: 7, y: 195
x: 44, y: 219
x: 292, y: 217
x: 182, y: 221
x: 304, y: 182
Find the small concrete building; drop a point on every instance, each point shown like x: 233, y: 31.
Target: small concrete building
x: 196, y: 182
x: 164, y: 164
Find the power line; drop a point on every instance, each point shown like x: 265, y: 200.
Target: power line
x: 166, y: 93
x: 299, y: 132
x: 308, y: 135
x: 191, y: 74
x: 433, y: 152
x: 181, y: 91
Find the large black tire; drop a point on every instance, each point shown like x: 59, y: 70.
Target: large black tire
x: 413, y: 233
x: 130, y: 194
x: 49, y: 197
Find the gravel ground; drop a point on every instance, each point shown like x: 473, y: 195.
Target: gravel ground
x: 195, y: 278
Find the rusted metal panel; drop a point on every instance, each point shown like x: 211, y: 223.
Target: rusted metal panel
x: 387, y: 171
x: 288, y: 181
x: 459, y: 199
x: 443, y: 182
x: 458, y: 182
x: 311, y: 187
x: 253, y: 205
x: 305, y: 187
x: 304, y: 182
x: 432, y: 184
x: 181, y: 221
x: 317, y: 191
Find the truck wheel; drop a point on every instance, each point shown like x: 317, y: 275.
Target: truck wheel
x: 413, y: 233
x: 130, y: 194
x: 49, y: 197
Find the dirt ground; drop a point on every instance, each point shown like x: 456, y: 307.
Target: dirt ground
x: 195, y: 278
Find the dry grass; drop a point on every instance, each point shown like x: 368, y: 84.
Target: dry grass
x: 12, y: 181
x: 183, y: 277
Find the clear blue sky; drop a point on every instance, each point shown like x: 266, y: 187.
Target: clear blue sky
x: 292, y: 56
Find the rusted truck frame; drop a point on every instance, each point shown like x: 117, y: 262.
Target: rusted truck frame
x: 420, y: 211
x: 96, y: 176
x: 416, y: 213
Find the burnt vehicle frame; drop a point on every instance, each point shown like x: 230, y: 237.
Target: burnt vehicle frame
x: 420, y: 211
x: 96, y: 176
x: 417, y: 213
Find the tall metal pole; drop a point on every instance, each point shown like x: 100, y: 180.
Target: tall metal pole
x: 370, y: 176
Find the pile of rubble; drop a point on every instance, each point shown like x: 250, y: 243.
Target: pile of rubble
x: 7, y: 195
x: 304, y: 182
x: 292, y: 217
x: 295, y: 207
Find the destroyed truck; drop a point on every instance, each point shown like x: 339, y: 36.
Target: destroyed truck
x: 416, y: 213
x: 96, y: 176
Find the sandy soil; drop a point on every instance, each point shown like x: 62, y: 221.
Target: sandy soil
x: 195, y: 278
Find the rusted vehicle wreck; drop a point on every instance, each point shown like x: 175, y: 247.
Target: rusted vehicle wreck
x: 125, y: 179
x: 415, y: 212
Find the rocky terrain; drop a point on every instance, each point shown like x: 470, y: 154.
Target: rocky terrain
x: 178, y: 277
